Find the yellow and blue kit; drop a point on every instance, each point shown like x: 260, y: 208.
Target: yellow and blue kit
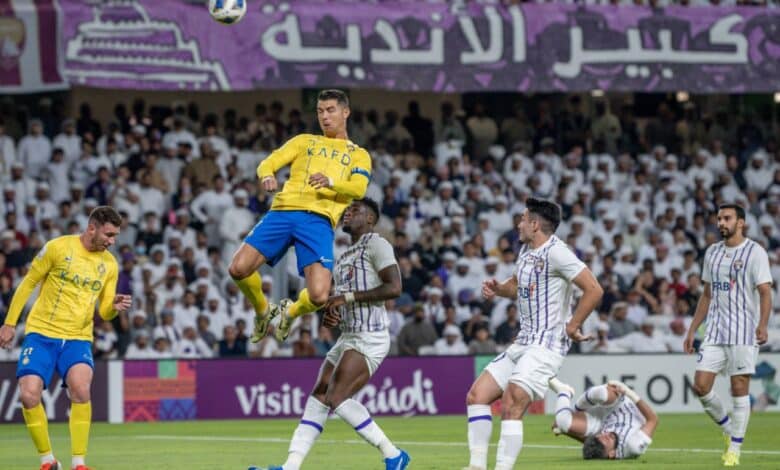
x: 302, y: 216
x: 58, y: 331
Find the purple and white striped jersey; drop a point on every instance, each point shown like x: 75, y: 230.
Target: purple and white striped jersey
x: 357, y: 269
x: 544, y: 291
x: 733, y: 274
x: 626, y: 422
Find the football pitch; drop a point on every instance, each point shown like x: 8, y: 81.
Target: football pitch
x: 682, y: 441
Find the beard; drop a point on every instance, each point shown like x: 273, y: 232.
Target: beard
x: 96, y: 245
x: 523, y: 239
x: 346, y: 228
x: 726, y: 233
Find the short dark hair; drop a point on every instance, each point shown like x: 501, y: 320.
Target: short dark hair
x: 333, y: 94
x: 102, y: 215
x: 371, y: 205
x: 737, y: 208
x: 592, y: 448
x: 549, y: 211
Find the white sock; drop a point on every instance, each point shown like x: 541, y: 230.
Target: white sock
x: 294, y: 461
x: 309, y: 429
x: 741, y: 415
x: 480, y: 427
x: 358, y: 417
x: 713, y: 406
x: 76, y: 461
x: 509, y: 444
x: 594, y: 396
x: 563, y: 412
x: 47, y: 458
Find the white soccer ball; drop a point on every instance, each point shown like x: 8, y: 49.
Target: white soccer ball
x: 227, y: 11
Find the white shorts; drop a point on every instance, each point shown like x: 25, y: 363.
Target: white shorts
x: 373, y: 346
x: 533, y: 368
x: 727, y: 359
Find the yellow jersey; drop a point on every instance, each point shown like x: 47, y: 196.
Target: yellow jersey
x: 346, y: 164
x: 74, y: 279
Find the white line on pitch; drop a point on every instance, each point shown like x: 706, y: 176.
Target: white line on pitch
x: 414, y: 443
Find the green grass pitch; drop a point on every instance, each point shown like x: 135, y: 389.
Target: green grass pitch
x: 682, y: 441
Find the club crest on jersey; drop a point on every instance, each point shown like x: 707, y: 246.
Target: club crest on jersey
x: 101, y: 269
x: 347, y: 275
x: 738, y: 264
x: 539, y: 265
x: 527, y: 292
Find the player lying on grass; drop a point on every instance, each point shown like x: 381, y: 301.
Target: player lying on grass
x: 611, y: 420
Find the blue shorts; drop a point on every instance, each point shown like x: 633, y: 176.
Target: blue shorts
x: 41, y: 355
x: 311, y: 235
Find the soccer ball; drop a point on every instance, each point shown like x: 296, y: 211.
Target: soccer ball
x: 227, y: 11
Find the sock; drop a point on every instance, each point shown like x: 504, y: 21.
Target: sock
x: 509, y: 444
x: 252, y: 288
x: 303, y: 305
x: 594, y: 396
x: 76, y: 461
x: 47, y: 458
x: 480, y: 426
x: 741, y: 415
x: 713, y: 406
x: 80, y: 420
x: 309, y: 429
x: 357, y: 416
x: 38, y: 427
x: 563, y: 412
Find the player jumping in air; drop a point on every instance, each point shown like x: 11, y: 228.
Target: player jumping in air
x: 366, y: 275
x: 326, y: 173
x: 76, y: 272
x: 542, y: 287
x: 736, y: 301
x: 612, y: 421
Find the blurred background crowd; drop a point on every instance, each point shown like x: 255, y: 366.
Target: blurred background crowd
x: 639, y: 200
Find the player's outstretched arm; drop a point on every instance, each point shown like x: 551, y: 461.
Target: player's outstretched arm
x: 354, y: 185
x: 354, y: 188
x: 278, y: 159
x: 112, y: 304
x: 591, y: 297
x: 389, y: 289
x: 701, y: 313
x: 110, y: 307
x: 38, y: 270
x: 765, y: 307
x: 7, y: 333
x: 507, y: 289
x: 651, y: 419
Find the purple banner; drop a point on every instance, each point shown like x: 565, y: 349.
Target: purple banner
x: 422, y: 46
x: 279, y: 388
x: 30, y: 60
x: 55, y: 399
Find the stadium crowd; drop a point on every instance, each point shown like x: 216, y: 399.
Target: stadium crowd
x: 639, y: 199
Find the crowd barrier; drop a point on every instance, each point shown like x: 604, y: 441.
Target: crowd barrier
x: 165, y: 390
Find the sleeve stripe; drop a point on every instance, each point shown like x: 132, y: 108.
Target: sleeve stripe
x: 361, y: 171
